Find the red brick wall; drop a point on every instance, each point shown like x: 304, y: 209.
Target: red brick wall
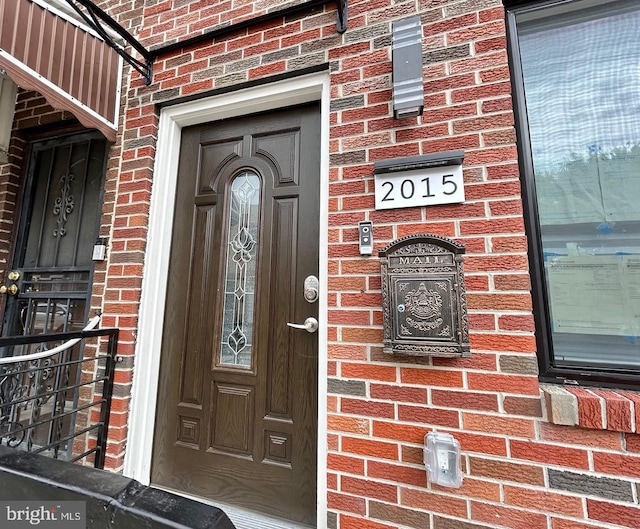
x: 118, y: 279
x: 10, y: 182
x: 34, y: 119
x: 522, y: 471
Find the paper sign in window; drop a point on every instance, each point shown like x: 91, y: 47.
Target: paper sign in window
x: 595, y: 294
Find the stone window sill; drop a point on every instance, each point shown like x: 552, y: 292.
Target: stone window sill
x: 600, y: 409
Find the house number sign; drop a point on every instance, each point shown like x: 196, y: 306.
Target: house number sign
x: 419, y: 180
x: 424, y: 187
x: 423, y: 297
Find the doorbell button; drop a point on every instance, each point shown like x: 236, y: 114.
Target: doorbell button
x: 365, y: 232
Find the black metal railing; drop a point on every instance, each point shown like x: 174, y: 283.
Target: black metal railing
x: 55, y: 399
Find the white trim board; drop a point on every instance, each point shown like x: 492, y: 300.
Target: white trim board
x: 313, y: 87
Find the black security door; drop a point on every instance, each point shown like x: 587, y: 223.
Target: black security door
x: 49, y: 285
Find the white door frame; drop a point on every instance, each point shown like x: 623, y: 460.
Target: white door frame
x: 313, y: 87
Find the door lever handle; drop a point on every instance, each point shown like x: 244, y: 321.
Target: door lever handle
x: 309, y: 325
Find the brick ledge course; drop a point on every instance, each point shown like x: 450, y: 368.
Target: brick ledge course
x: 595, y: 408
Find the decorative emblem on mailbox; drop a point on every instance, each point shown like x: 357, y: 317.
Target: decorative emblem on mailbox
x: 423, y: 297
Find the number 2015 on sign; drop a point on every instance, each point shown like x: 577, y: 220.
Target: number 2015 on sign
x: 422, y: 187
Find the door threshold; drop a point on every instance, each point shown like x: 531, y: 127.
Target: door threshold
x: 242, y: 518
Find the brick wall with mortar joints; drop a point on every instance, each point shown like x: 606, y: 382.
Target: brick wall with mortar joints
x: 33, y: 112
x: 118, y: 279
x: 504, y: 383
x: 10, y: 181
x: 380, y: 407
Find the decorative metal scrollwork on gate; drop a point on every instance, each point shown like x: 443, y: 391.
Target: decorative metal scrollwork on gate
x: 54, y: 399
x: 26, y: 391
x: 64, y: 204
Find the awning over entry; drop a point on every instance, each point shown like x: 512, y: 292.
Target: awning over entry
x: 72, y: 68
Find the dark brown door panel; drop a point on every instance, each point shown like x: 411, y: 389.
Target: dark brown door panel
x: 237, y: 414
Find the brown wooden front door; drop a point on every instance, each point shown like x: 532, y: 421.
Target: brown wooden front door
x: 237, y: 404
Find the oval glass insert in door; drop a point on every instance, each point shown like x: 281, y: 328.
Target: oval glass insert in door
x: 240, y: 276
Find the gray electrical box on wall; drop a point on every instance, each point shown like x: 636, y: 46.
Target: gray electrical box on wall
x: 423, y: 297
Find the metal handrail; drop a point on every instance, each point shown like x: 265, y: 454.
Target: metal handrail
x: 22, y: 391
x: 93, y: 322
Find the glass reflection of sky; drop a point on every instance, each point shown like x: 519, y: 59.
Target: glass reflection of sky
x: 582, y: 84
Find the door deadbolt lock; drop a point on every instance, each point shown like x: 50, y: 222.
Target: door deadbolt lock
x: 12, y: 290
x: 14, y: 275
x: 311, y: 285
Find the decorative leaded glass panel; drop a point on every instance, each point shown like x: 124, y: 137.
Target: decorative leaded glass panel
x: 240, y: 275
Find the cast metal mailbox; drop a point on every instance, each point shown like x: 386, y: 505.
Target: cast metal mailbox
x: 423, y: 297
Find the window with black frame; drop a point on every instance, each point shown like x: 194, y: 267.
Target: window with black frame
x: 576, y: 72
